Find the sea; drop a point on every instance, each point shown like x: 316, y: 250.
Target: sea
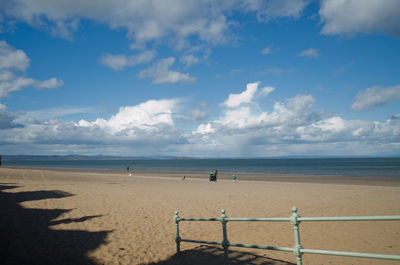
x: 362, y: 167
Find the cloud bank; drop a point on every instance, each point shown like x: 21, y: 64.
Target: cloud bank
x: 243, y: 127
x: 349, y: 17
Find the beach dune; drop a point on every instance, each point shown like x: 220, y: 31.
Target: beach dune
x: 94, y: 217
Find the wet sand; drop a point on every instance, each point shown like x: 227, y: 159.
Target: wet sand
x: 107, y: 217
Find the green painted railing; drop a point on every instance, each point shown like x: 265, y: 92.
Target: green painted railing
x: 295, y: 220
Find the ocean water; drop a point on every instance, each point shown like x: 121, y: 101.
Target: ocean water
x: 363, y: 167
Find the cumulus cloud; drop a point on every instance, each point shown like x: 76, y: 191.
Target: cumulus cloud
x: 311, y: 53
x: 265, y: 91
x: 131, y: 121
x: 267, y: 10
x: 14, y: 84
x: 41, y: 115
x: 347, y: 17
x: 148, y: 125
x: 193, y: 113
x: 376, y: 96
x: 12, y: 59
x: 50, y: 83
x: 160, y: 72
x: 147, y: 21
x: 204, y: 129
x: 7, y: 118
x: 190, y: 60
x: 291, y: 127
x: 144, y: 20
x: 235, y: 100
x: 120, y: 61
x: 13, y: 64
x: 266, y: 50
x: 246, y: 96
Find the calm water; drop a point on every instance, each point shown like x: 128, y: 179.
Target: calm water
x: 365, y: 167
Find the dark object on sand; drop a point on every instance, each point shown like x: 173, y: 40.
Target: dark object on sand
x: 213, y: 175
x: 0, y: 160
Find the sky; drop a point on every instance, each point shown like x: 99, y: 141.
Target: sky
x: 200, y: 78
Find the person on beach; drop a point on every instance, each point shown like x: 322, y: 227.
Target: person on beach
x: 127, y: 168
x: 183, y: 177
x: 234, y: 178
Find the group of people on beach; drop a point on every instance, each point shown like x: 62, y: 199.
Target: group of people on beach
x: 234, y: 177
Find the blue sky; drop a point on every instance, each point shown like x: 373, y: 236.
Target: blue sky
x: 204, y: 78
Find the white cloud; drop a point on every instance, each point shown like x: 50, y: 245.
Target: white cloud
x: 116, y: 62
x: 12, y: 59
x: 376, y: 96
x: 246, y: 96
x: 147, y: 21
x: 265, y: 91
x: 347, y: 17
x: 193, y: 113
x: 204, y: 129
x: 292, y: 127
x: 120, y: 61
x: 235, y: 100
x: 144, y: 20
x: 301, y: 103
x: 161, y: 73
x: 50, y: 83
x: 266, y: 50
x: 14, y: 84
x: 190, y: 60
x: 13, y: 64
x: 7, y: 118
x: 35, y: 116
x: 267, y: 10
x: 145, y: 116
x: 312, y: 53
x: 146, y: 128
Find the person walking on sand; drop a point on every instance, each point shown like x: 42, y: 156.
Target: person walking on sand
x: 234, y: 178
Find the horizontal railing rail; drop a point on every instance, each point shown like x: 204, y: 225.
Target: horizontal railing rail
x: 295, y: 220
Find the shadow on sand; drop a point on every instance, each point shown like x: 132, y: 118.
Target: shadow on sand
x: 26, y: 238
x: 209, y: 255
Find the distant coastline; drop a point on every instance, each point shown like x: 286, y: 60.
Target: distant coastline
x: 161, y: 157
x: 341, y: 167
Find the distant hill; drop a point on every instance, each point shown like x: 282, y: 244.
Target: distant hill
x: 17, y: 158
x: 80, y: 157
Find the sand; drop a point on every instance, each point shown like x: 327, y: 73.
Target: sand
x: 81, y: 217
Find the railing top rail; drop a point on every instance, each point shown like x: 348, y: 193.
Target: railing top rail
x: 351, y: 218
x: 198, y: 219
x: 302, y: 219
x: 350, y: 254
x: 266, y: 219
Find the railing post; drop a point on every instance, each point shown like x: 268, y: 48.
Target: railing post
x: 177, y: 237
x: 225, y: 242
x: 297, y: 245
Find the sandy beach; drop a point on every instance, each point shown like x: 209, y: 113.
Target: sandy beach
x: 104, y: 217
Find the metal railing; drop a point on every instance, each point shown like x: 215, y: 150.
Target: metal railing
x: 295, y: 220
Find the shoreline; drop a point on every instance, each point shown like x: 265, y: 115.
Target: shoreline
x: 287, y: 178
